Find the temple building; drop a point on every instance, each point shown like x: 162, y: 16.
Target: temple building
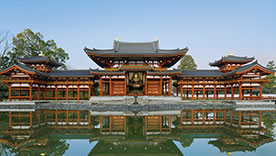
x: 135, y: 68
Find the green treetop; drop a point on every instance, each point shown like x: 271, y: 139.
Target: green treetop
x: 28, y: 43
x: 187, y: 63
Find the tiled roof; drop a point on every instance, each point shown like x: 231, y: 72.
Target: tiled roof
x: 130, y: 48
x: 231, y: 58
x: 39, y: 59
x: 70, y: 73
x: 201, y: 73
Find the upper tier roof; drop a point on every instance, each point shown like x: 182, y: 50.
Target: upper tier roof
x: 39, y: 60
x: 232, y: 59
x: 130, y: 48
x: 134, y: 51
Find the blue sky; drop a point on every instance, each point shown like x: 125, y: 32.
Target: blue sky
x: 210, y: 28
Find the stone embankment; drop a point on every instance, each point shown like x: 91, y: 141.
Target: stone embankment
x: 145, y: 103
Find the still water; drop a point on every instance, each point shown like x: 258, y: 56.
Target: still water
x: 186, y: 132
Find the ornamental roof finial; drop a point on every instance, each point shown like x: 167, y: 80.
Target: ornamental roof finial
x: 154, y: 38
x: 117, y: 38
x: 41, y: 53
x: 230, y: 53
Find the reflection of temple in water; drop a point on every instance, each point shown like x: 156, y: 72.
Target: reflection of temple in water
x: 149, y: 133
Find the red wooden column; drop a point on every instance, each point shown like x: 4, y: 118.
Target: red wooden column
x: 101, y: 86
x: 215, y: 90
x: 78, y: 92
x: 261, y: 91
x: 146, y: 84
x: 161, y: 86
x: 38, y: 93
x: 89, y: 92
x: 232, y: 92
x: 45, y: 92
x: 240, y: 91
x: 56, y: 92
x: 67, y: 92
x: 193, y: 91
x: 30, y: 92
x: 110, y: 85
x: 170, y: 86
x: 203, y: 92
x: 187, y: 94
x: 9, y: 92
x: 181, y: 91
x: 225, y: 93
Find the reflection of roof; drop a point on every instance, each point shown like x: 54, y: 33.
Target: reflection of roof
x: 232, y: 59
x: 39, y: 59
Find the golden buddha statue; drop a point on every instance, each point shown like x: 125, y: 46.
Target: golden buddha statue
x: 136, y: 81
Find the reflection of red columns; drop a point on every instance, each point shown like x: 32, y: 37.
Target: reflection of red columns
x: 181, y: 117
x: 239, y: 119
x: 31, y: 119
x: 232, y: 116
x: 192, y: 117
x: 146, y: 125
x: 260, y: 119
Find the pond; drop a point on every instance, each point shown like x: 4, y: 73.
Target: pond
x: 177, y: 132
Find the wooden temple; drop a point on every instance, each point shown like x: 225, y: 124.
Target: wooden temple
x: 134, y: 68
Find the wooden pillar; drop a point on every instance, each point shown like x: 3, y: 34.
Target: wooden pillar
x: 187, y: 94
x: 101, y: 86
x: 197, y: 94
x: 161, y: 86
x: 125, y: 85
x: 30, y: 92
x: 181, y: 91
x: 78, y: 118
x: 110, y: 86
x: 240, y: 91
x: 207, y: 95
x: 38, y: 93
x: 45, y: 92
x: 181, y: 117
x: 67, y: 117
x: 193, y: 91
x: 10, y: 97
x: 89, y: 92
x: 215, y: 92
x: 67, y: 92
x: 261, y: 92
x: 56, y: 91
x: 146, y: 84
x: 225, y: 93
x: 203, y: 92
x: 203, y: 116
x: 232, y: 92
x: 56, y: 113
x: 170, y: 86
x: 78, y: 92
